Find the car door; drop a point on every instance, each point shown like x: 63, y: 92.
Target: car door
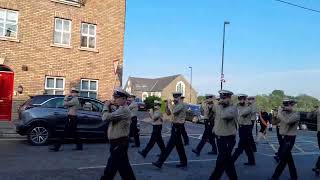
x: 57, y: 114
x: 90, y: 123
x: 189, y: 114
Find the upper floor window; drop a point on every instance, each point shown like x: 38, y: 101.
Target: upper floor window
x: 8, y: 23
x: 89, y: 88
x: 77, y: 3
x: 54, y: 85
x: 181, y: 87
x: 88, y: 35
x: 62, y: 32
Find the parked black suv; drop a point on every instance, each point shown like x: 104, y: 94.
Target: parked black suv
x: 309, y: 119
x: 42, y: 115
x: 194, y: 113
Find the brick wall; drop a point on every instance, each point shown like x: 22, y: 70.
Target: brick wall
x: 35, y: 50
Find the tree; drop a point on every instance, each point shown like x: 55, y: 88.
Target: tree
x: 200, y: 99
x: 267, y: 102
x: 278, y: 93
x: 263, y: 102
x: 306, y: 103
x: 149, y: 101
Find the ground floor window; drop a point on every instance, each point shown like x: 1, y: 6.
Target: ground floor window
x: 89, y: 88
x: 54, y: 85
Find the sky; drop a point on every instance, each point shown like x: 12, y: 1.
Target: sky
x: 269, y: 45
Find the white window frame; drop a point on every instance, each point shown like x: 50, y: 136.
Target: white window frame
x: 88, y: 90
x: 88, y: 35
x: 183, y: 85
x: 54, y: 84
x: 62, y: 31
x: 5, y: 23
x: 144, y: 94
x: 76, y: 3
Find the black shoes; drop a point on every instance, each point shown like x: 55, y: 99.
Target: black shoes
x: 213, y: 153
x: 157, y: 164
x: 135, y: 146
x: 54, y: 149
x: 196, y: 152
x: 57, y: 148
x: 250, y: 164
x: 254, y: 150
x: 142, y: 154
x: 276, y: 158
x: 316, y: 170
x: 181, y: 165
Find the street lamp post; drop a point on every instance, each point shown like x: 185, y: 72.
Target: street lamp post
x: 222, y: 63
x: 190, y: 82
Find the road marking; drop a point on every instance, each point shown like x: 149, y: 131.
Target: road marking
x: 294, y: 154
x: 142, y: 164
x: 300, y: 149
x: 273, y: 148
x: 149, y: 135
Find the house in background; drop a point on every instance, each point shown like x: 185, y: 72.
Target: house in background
x: 161, y: 87
x: 49, y: 46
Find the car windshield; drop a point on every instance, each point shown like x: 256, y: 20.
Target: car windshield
x: 194, y: 108
x: 138, y: 100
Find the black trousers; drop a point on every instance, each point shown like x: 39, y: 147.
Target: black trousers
x: 208, y: 136
x: 253, y: 144
x: 318, y: 162
x: 224, y: 162
x: 70, y: 130
x: 156, y: 137
x: 244, y: 144
x: 279, y: 140
x: 118, y: 161
x: 286, y: 158
x: 185, y: 135
x: 134, y: 131
x: 174, y: 141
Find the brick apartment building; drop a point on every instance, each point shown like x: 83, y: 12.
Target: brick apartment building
x: 49, y: 46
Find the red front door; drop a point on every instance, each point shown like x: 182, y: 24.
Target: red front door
x: 6, y: 93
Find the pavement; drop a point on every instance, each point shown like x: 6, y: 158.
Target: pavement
x: 8, y: 130
x: 19, y: 160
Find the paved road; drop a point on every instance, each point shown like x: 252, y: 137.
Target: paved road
x: 18, y: 160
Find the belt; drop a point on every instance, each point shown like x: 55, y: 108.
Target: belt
x: 119, y: 139
x: 289, y: 136
x: 226, y: 136
x: 240, y: 125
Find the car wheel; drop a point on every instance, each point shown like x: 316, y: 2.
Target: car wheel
x: 38, y: 135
